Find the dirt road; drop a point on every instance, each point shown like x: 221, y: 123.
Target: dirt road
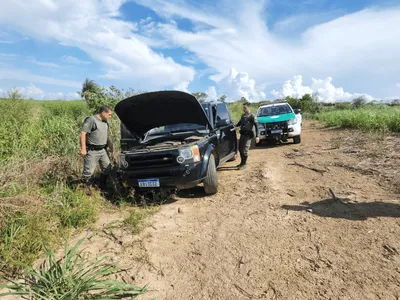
x: 274, y: 232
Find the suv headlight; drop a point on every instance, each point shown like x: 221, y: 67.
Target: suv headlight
x: 292, y: 121
x: 122, y: 161
x: 191, y: 154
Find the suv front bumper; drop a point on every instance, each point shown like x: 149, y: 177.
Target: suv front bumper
x: 177, y: 177
x: 287, y: 131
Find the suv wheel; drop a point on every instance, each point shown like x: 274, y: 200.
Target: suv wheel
x: 297, y: 139
x: 211, y: 181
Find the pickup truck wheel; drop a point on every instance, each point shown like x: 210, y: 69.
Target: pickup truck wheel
x: 297, y: 139
x: 211, y: 181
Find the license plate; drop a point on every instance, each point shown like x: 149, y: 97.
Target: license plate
x: 149, y: 183
x: 275, y: 131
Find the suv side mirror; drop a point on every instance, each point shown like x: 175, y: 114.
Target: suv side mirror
x: 297, y: 111
x: 222, y: 123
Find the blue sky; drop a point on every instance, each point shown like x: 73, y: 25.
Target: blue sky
x: 259, y: 49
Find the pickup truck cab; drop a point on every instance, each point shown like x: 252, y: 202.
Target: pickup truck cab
x: 279, y: 122
x: 170, y: 140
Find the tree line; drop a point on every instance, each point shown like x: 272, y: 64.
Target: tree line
x: 96, y: 95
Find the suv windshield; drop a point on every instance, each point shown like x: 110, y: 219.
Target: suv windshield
x: 274, y: 110
x: 182, y: 127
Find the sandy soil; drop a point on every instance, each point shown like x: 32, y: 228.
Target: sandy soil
x: 274, y: 230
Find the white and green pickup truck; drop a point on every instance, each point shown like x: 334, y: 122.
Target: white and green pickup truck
x: 279, y: 122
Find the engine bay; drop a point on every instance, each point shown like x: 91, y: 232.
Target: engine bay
x: 165, y: 144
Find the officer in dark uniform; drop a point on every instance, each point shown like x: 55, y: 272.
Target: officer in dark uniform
x: 246, y: 123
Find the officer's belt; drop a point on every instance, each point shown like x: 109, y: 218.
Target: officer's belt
x: 95, y: 147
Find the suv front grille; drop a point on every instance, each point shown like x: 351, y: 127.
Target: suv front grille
x: 150, y: 161
x: 276, y: 125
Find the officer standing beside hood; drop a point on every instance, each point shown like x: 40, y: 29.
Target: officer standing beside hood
x: 246, y: 123
x: 94, y: 140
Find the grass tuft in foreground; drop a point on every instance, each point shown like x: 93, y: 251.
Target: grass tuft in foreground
x: 136, y: 220
x: 24, y: 230
x: 75, y: 276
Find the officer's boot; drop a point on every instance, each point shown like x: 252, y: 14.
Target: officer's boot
x: 103, y: 181
x: 243, y: 164
x: 241, y: 161
x: 86, y: 186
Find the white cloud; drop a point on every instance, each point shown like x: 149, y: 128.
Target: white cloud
x: 94, y: 27
x: 182, y: 86
x: 237, y: 36
x: 293, y: 88
x: 191, y: 59
x: 8, y: 56
x: 42, y: 63
x: 24, y: 75
x: 223, y: 36
x: 211, y: 93
x: 73, y: 60
x: 33, y: 92
x: 323, y: 90
x: 239, y: 84
x: 6, y: 38
x: 12, y: 56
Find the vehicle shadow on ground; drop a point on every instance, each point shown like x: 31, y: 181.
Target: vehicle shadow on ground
x: 234, y: 168
x: 196, y: 192
x: 345, y: 209
x: 270, y: 144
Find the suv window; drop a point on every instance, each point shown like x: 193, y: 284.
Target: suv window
x: 222, y: 113
x: 274, y: 110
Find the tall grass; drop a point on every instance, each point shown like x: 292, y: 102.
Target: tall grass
x: 75, y: 276
x: 39, y: 155
x: 22, y: 236
x: 25, y: 230
x: 373, y: 118
x: 36, y: 129
x: 236, y: 109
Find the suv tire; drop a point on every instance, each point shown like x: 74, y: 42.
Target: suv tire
x: 297, y: 139
x: 211, y: 181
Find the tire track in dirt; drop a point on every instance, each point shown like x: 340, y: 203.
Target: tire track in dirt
x: 254, y: 239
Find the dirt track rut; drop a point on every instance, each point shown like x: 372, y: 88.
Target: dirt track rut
x: 274, y: 232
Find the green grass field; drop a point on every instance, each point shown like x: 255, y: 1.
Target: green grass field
x: 39, y: 156
x: 372, y: 118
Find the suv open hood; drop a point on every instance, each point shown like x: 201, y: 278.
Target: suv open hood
x: 146, y: 111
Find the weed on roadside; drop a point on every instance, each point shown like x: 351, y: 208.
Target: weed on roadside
x: 74, y: 276
x: 337, y: 141
x: 137, y: 218
x: 21, y: 239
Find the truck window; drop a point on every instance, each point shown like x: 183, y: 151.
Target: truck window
x: 274, y: 110
x: 222, y: 113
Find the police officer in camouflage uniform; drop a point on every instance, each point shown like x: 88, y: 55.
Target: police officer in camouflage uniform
x: 94, y: 140
x: 246, y: 123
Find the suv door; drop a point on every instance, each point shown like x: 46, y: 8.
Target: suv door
x: 226, y: 136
